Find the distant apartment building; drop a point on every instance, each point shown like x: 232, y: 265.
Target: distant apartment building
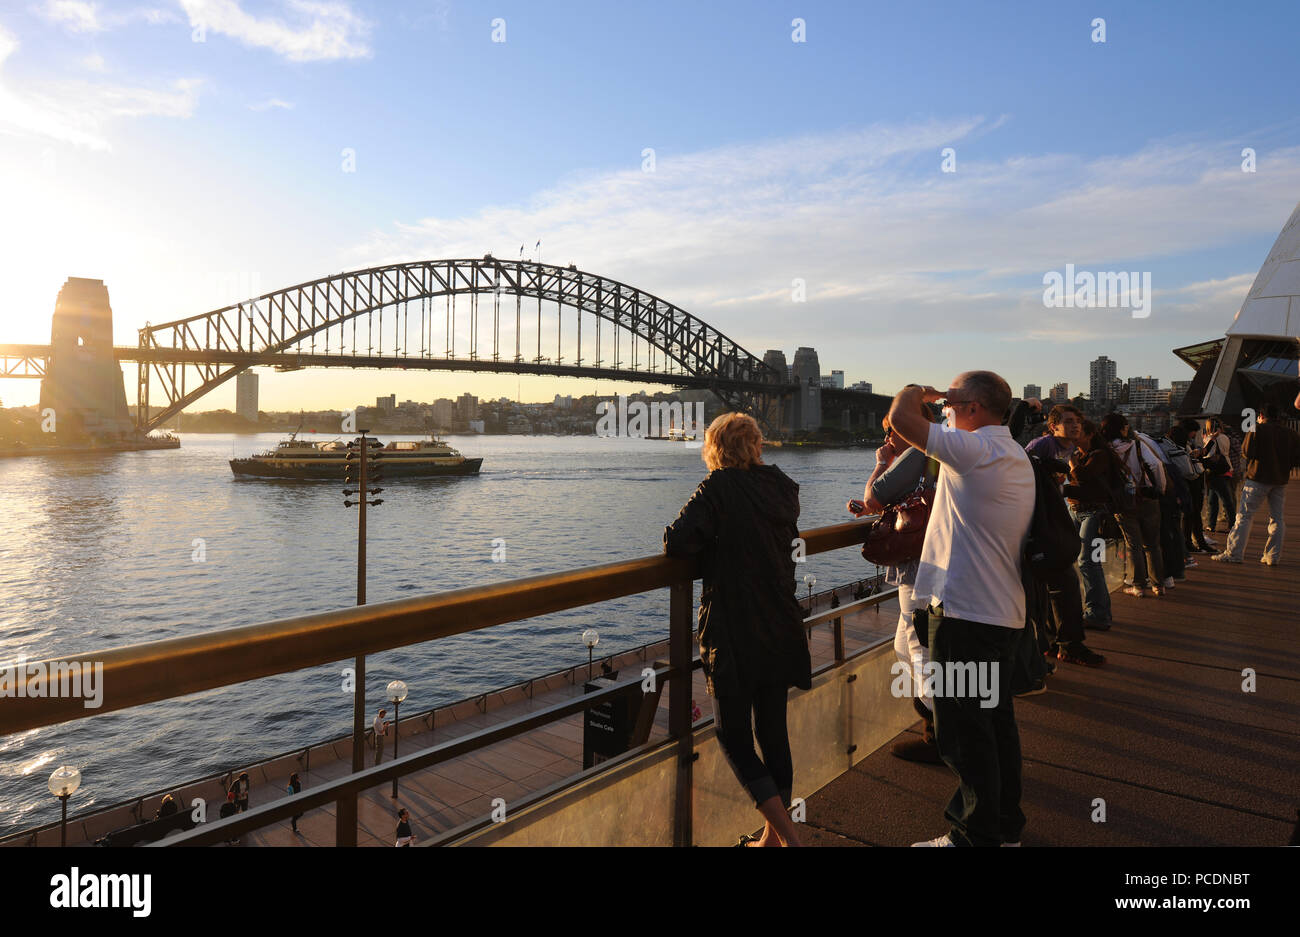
x: 1032, y: 390
x: 444, y: 413
x: 1142, y: 383
x: 246, y: 395
x: 1101, y: 374
x: 386, y: 404
x: 1141, y: 399
x: 834, y: 379
x: 1060, y: 393
x: 864, y: 386
x: 1177, y: 391
x: 466, y: 408
x: 563, y: 403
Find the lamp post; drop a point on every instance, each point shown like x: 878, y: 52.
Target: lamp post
x: 590, y: 638
x: 810, y: 580
x: 396, y: 692
x: 63, y: 784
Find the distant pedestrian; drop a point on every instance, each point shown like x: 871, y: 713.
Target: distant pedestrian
x: 240, y: 787
x: 229, y: 809
x: 404, y: 835
x: 294, y: 787
x: 742, y: 523
x: 1140, y: 525
x: 1216, y: 455
x: 1271, y: 451
x: 381, y: 730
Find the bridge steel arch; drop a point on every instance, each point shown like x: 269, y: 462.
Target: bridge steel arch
x: 274, y: 323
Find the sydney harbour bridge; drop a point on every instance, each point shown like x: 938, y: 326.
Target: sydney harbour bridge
x: 476, y: 315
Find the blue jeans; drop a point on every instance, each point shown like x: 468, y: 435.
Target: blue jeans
x: 1253, y: 497
x: 1096, y: 594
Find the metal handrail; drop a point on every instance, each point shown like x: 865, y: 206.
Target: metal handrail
x: 161, y: 670
x: 176, y: 667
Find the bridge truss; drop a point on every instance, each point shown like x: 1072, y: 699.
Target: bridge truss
x: 434, y: 315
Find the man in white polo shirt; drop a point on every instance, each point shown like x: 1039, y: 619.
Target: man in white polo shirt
x: 970, y: 576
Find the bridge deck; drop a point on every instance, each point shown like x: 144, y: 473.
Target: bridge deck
x: 1163, y: 732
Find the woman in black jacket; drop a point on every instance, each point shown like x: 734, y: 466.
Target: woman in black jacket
x: 742, y: 523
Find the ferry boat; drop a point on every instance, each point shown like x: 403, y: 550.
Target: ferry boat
x: 294, y: 458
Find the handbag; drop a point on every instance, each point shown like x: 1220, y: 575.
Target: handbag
x: 897, y: 536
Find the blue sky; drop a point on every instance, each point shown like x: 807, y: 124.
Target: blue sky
x: 190, y: 174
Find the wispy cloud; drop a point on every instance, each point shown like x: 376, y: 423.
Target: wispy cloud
x: 881, y: 237
x: 271, y: 103
x: 321, y: 31
x: 77, y: 15
x: 77, y: 112
x: 94, y: 62
x: 86, y: 16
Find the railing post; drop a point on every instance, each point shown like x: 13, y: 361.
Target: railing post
x: 679, y: 704
x: 345, y: 820
x: 837, y: 627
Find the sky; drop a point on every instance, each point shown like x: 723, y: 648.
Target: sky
x: 193, y: 153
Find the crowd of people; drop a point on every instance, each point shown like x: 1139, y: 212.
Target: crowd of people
x: 974, y: 595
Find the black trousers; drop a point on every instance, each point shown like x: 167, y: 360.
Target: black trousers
x: 980, y: 744
x: 1066, y: 600
x: 773, y: 774
x: 1192, y: 523
x: 1171, y: 536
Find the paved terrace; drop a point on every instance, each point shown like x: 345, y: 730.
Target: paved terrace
x: 1162, y: 732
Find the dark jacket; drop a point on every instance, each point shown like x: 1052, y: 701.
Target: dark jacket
x: 741, y: 523
x: 1270, y: 453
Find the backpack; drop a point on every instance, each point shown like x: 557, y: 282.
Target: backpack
x: 1053, y: 542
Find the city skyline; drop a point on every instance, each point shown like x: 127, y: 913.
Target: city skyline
x: 832, y: 221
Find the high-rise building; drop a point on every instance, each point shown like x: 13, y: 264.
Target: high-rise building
x: 1101, y: 371
x: 1032, y: 390
x: 1114, y: 390
x: 834, y: 379
x: 386, y: 404
x: 1143, y: 383
x: 864, y: 386
x: 1060, y: 393
x: 444, y: 413
x: 246, y: 395
x: 466, y: 408
x: 806, y: 366
x: 1177, y: 391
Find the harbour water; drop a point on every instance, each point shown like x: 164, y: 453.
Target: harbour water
x: 126, y: 548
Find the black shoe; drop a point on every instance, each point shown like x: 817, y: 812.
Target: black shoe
x: 1096, y: 624
x: 1076, y: 653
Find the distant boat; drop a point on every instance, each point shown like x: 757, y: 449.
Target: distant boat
x: 293, y: 458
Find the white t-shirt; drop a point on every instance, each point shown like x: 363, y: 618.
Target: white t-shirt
x: 379, y: 727
x: 983, y: 503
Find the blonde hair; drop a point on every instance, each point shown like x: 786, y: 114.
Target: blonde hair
x: 733, y: 440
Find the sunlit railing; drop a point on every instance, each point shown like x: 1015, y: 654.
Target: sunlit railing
x: 174, y: 667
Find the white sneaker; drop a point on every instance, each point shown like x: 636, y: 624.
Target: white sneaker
x: 1267, y: 562
x: 1011, y: 844
x: 1225, y: 557
x: 943, y: 840
x: 1169, y: 582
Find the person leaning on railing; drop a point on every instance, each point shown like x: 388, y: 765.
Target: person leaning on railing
x: 742, y: 522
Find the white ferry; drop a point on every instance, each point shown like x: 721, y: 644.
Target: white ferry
x: 294, y: 458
